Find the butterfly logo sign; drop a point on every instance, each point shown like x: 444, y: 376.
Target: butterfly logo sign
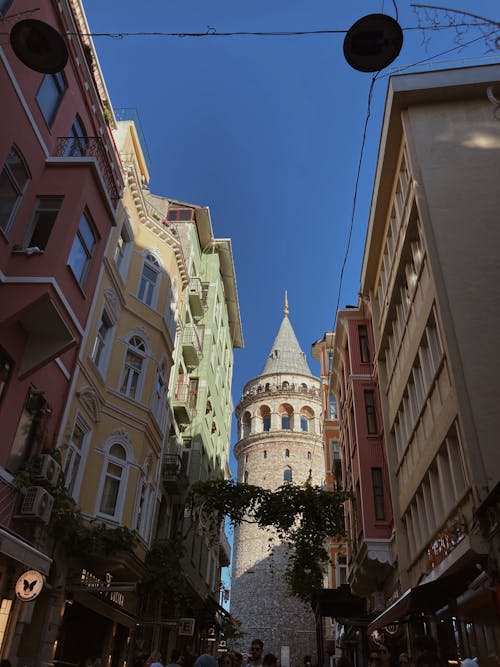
x: 29, y: 585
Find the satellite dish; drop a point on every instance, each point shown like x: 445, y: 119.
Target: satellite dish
x: 39, y: 46
x: 373, y: 42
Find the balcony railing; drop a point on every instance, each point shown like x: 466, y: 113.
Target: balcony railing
x: 174, y: 477
x: 192, y: 338
x: 197, y: 297
x: 184, y: 403
x: 78, y: 147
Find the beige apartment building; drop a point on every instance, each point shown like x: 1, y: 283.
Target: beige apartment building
x: 431, y: 271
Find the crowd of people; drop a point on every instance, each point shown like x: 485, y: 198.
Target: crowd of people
x: 424, y: 654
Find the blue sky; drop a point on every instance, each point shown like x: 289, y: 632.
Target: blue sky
x: 267, y: 132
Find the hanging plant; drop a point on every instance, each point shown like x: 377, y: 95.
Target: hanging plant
x: 303, y: 517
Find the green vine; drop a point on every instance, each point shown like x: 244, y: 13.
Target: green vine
x: 162, y: 573
x: 304, y: 517
x: 67, y: 525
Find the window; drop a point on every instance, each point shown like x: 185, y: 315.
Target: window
x: 149, y: 280
x: 160, y: 394
x: 77, y: 143
x: 26, y: 431
x: 131, y: 384
x: 265, y: 453
x: 287, y: 453
x: 101, y: 347
x: 340, y: 570
x: 82, y: 250
x: 378, y: 494
x: 364, y: 347
x: 246, y: 424
x: 329, y: 361
x: 44, y: 218
x: 123, y: 250
x: 5, y: 370
x: 180, y: 214
x: 245, y: 477
x: 4, y: 6
x: 14, y: 179
x: 285, y: 422
x: 304, y: 423
x: 309, y: 456
x: 50, y: 94
x: 287, y: 475
x: 74, y: 455
x: 333, y: 412
x: 371, y: 415
x: 114, y: 480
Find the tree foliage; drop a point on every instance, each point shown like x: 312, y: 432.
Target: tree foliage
x: 303, y: 517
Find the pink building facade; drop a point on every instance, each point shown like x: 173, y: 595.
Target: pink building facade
x: 60, y: 183
x: 369, y: 519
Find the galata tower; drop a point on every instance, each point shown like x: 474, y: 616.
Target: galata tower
x: 279, y: 440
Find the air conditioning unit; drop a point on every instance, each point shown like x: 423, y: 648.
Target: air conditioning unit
x: 37, y: 503
x: 49, y: 469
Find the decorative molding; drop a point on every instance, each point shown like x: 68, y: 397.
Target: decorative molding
x: 113, y: 302
x: 89, y: 398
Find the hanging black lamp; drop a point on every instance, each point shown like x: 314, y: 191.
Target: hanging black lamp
x: 373, y: 42
x: 39, y: 46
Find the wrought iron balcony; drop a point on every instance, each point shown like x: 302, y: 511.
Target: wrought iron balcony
x: 192, y: 344
x: 174, y: 477
x: 197, y: 292
x: 84, y: 147
x: 184, y: 404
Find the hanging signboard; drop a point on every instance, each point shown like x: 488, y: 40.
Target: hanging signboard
x: 29, y: 585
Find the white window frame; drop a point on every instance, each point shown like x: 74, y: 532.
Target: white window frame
x: 124, y: 464
x: 106, y: 343
x: 142, y: 354
x: 122, y: 259
x: 147, y: 292
x: 72, y: 451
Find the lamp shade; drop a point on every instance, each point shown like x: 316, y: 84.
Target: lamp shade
x: 373, y: 43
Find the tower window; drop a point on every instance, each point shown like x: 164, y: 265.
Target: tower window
x: 287, y: 475
x: 285, y: 422
x: 287, y: 453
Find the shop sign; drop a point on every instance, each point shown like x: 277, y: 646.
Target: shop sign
x: 29, y: 585
x: 186, y: 627
x: 91, y: 581
x: 446, y: 541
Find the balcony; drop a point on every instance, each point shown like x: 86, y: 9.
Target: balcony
x: 192, y: 345
x: 184, y: 404
x: 197, y: 292
x: 174, y: 477
x: 78, y: 148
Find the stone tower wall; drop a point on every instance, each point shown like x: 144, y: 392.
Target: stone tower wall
x: 260, y: 599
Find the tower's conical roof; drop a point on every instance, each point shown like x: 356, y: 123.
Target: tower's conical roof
x: 286, y: 355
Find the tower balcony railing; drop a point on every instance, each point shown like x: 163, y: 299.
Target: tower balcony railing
x: 287, y: 388
x: 90, y: 147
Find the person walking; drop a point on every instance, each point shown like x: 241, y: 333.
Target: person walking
x: 256, y: 651
x: 154, y: 659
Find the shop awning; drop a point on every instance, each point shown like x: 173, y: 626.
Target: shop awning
x: 424, y: 598
x: 338, y: 603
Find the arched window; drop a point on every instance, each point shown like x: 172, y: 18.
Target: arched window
x: 265, y: 414
x: 265, y: 453
x: 77, y: 143
x: 133, y: 370
x: 286, y: 412
x: 114, y: 481
x: 285, y: 422
x: 285, y: 385
x: 245, y: 477
x: 309, y: 456
x: 150, y: 278
x: 287, y: 453
x: 287, y: 475
x: 304, y: 423
x: 303, y: 387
